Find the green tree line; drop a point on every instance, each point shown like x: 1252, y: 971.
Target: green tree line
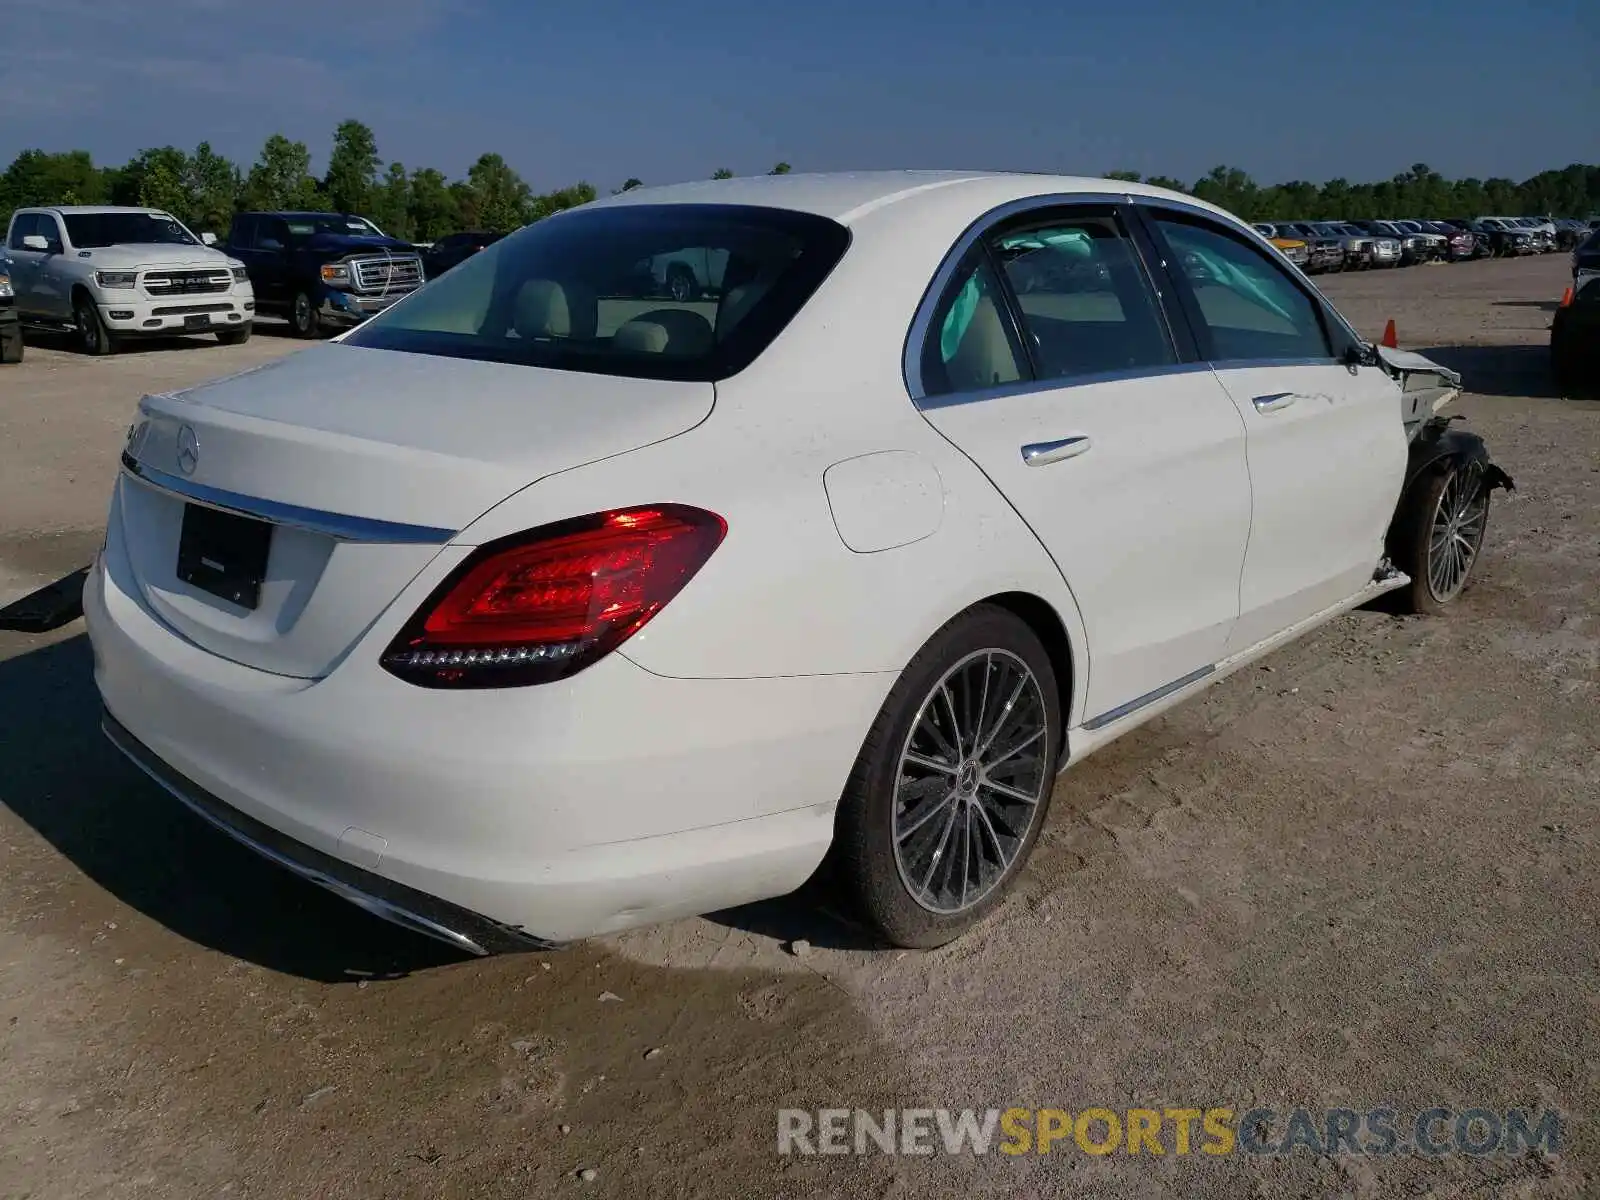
x: 204, y: 189
x: 1572, y: 191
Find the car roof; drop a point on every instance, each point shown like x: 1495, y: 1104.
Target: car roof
x: 848, y: 196
x: 293, y: 212
x: 72, y: 210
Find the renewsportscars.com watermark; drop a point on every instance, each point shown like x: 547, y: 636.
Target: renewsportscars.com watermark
x: 1376, y: 1132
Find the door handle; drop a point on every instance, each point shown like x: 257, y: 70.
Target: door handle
x: 1273, y: 403
x: 1040, y: 454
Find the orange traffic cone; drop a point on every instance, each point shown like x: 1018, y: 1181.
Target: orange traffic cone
x: 1566, y: 298
x: 1389, y: 339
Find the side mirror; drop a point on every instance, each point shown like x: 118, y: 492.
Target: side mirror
x: 208, y: 239
x: 34, y: 241
x: 1360, y: 354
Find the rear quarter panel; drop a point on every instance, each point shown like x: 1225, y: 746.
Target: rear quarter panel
x: 784, y: 594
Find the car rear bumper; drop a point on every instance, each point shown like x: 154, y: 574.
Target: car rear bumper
x: 613, y: 799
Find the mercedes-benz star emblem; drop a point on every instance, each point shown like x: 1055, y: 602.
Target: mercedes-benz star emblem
x: 188, y: 450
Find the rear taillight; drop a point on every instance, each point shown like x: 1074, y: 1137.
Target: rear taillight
x: 545, y: 604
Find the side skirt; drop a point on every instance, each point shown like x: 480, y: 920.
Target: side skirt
x: 1099, y: 731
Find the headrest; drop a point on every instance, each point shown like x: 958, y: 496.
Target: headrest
x: 736, y: 302
x: 674, y: 331
x: 547, y: 309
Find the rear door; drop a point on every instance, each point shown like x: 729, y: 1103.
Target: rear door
x: 52, y: 286
x: 1048, y: 361
x: 25, y: 262
x: 1327, y: 446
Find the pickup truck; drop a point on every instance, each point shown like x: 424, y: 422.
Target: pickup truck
x: 110, y: 273
x: 10, y: 328
x: 323, y: 271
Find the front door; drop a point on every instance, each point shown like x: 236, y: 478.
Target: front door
x: 1050, y: 365
x: 1327, y: 445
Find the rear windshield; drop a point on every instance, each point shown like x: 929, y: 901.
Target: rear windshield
x: 670, y: 291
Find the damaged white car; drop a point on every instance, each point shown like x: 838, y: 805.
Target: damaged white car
x: 580, y: 610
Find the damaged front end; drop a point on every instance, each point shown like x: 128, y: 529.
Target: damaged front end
x: 1439, y: 522
x: 1426, y: 387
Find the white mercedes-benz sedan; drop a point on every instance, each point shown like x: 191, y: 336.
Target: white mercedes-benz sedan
x: 685, y: 543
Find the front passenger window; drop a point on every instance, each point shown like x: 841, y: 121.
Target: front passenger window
x: 24, y: 226
x: 1251, y: 309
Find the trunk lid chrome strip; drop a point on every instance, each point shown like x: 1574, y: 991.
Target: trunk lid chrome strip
x: 341, y: 526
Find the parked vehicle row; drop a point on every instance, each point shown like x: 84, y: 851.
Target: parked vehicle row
x: 1358, y: 245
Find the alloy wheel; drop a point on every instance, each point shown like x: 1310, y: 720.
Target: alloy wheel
x: 971, y: 779
x: 1456, y: 532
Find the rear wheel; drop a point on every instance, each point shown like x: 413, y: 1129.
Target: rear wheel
x: 1443, y: 518
x: 93, y: 336
x: 953, y: 781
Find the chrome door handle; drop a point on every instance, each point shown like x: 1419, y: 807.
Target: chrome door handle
x: 1273, y: 403
x: 1039, y: 454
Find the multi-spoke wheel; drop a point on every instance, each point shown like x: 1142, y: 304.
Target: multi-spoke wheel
x: 1439, y: 533
x: 953, y: 781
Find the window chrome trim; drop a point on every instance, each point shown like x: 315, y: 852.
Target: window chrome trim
x: 916, y: 336
x: 340, y: 526
x: 911, y: 356
x: 1059, y: 383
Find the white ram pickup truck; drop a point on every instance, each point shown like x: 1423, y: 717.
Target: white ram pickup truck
x: 113, y: 273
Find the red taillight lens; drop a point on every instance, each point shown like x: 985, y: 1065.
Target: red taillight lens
x: 546, y: 604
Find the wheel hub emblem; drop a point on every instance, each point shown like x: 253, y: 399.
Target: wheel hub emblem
x: 188, y: 450
x: 967, y: 778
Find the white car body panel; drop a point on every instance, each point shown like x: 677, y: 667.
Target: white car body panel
x: 1161, y: 495
x: 857, y: 525
x: 1326, y: 462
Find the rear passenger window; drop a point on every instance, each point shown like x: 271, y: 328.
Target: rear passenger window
x: 969, y: 347
x: 1085, y: 305
x: 1248, y: 304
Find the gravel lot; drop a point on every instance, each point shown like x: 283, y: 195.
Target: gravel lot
x: 1362, y: 872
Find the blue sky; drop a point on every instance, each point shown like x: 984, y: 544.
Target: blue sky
x: 604, y: 89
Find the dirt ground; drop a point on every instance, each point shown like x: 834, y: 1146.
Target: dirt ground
x: 1361, y: 872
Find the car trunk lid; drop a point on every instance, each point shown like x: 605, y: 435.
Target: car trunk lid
x: 364, y: 463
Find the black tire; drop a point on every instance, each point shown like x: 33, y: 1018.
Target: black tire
x: 237, y: 336
x: 680, y: 284
x: 303, y: 317
x: 11, y: 345
x: 991, y: 644
x: 1417, y: 537
x: 93, y: 337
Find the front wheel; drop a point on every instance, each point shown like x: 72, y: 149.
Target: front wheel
x: 11, y: 345
x: 93, y: 336
x: 1439, y: 533
x: 303, y: 318
x: 952, y: 783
